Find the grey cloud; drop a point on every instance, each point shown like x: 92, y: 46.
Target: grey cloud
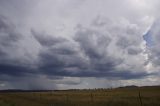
x: 2, y: 53
x: 101, y: 22
x: 102, y: 64
x: 93, y: 43
x: 9, y: 45
x: 56, y: 60
x: 134, y: 50
x: 101, y: 47
x: 58, y: 56
x: 46, y: 40
x: 29, y: 82
x: 7, y: 33
x: 15, y: 70
x: 153, y: 48
x: 154, y: 57
x: 86, y: 55
x: 123, y: 42
x: 8, y: 38
x: 67, y: 81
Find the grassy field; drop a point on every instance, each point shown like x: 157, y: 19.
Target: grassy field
x: 144, y: 96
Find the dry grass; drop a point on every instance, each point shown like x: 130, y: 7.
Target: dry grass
x: 150, y: 96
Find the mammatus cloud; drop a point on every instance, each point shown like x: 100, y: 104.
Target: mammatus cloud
x: 49, y: 47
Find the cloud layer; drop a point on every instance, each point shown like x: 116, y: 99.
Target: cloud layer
x: 63, y: 44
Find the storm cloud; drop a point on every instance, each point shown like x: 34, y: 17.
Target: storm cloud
x: 63, y: 44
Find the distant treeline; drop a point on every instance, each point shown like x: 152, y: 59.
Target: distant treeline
x: 95, y: 89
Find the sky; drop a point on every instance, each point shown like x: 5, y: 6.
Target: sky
x: 77, y: 44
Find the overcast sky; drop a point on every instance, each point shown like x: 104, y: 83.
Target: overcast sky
x: 64, y: 44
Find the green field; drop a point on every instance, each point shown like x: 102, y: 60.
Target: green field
x: 144, y: 96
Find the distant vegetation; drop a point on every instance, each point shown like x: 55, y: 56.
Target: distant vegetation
x: 123, y: 96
